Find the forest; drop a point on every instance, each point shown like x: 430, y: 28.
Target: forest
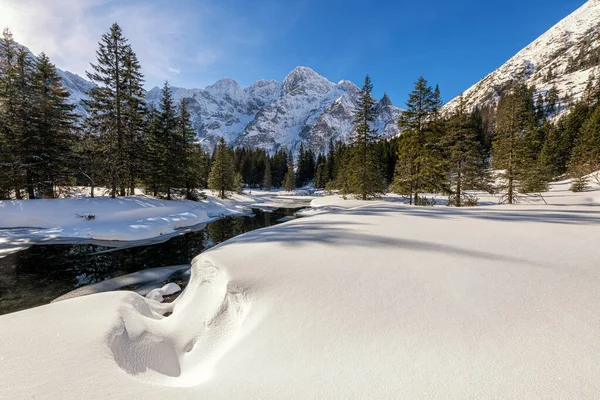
x: 513, y: 148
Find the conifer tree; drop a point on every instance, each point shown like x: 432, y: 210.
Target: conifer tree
x: 289, y: 183
x: 20, y: 119
x: 190, y: 170
x: 467, y: 164
x: 420, y: 164
x: 552, y: 101
x: 7, y: 103
x: 222, y: 177
x: 51, y: 148
x: 170, y: 142
x: 364, y: 169
x: 268, y: 178
x: 110, y: 104
x: 586, y: 155
x: 516, y: 144
x: 238, y: 183
x: 135, y: 112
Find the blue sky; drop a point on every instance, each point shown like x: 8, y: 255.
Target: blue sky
x: 195, y: 42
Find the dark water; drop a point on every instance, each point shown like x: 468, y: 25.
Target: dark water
x: 42, y: 273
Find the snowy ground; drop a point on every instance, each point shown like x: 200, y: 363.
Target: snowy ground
x: 359, y: 300
x: 126, y: 219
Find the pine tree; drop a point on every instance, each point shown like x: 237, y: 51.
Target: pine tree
x: 516, y: 144
x: 586, y: 155
x: 21, y: 118
x: 540, y: 108
x: 53, y: 130
x: 364, y: 169
x: 268, y: 178
x: 171, y: 143
x: 589, y: 92
x: 189, y: 170
x: 7, y: 100
x: 222, y: 177
x: 420, y: 162
x: 466, y: 161
x: 552, y: 101
x: 135, y: 112
x: 289, y: 183
x: 238, y: 183
x: 110, y: 102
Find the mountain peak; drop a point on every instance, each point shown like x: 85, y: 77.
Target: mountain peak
x: 226, y: 86
x: 385, y: 100
x: 304, y: 78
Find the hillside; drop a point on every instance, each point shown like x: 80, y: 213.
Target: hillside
x: 565, y: 56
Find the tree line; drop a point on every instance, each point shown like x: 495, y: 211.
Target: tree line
x: 512, y: 147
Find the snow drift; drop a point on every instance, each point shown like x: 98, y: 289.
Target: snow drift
x: 369, y: 300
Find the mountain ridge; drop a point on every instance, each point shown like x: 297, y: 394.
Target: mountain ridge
x: 560, y: 58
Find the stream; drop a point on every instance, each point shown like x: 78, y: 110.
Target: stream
x: 41, y: 273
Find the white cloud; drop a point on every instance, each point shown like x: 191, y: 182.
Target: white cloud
x: 69, y: 31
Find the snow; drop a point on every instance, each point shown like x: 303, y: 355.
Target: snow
x: 166, y: 290
x: 359, y: 300
x: 126, y: 221
x: 148, y: 277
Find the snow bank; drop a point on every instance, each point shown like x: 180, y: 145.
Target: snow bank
x: 370, y: 300
x: 147, y: 276
x: 122, y: 219
x: 166, y: 290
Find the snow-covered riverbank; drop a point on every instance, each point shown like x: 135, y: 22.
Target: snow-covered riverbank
x: 364, y: 300
x: 27, y: 222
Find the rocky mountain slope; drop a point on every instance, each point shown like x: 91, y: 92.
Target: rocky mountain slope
x: 565, y: 56
x: 306, y: 107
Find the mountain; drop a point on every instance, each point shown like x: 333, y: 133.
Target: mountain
x: 306, y: 107
x: 78, y: 87
x: 565, y: 57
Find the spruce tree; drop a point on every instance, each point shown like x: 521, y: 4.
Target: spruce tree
x: 467, y: 163
x: 222, y: 177
x: 289, y: 182
x: 268, y: 178
x: 364, y: 169
x: 114, y: 105
x: 516, y: 144
x: 586, y: 155
x: 7, y: 99
x: 53, y: 129
x: 171, y: 143
x: 552, y: 101
x: 190, y: 165
x: 420, y: 165
x: 135, y: 112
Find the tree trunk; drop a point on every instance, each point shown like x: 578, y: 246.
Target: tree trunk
x: 30, y: 190
x: 459, y: 186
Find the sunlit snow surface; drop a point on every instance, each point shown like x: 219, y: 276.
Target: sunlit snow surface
x: 355, y: 300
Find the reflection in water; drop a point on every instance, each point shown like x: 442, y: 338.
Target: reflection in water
x: 42, y: 273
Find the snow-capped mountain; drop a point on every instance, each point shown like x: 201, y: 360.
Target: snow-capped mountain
x: 306, y: 107
x: 78, y: 87
x: 565, y: 57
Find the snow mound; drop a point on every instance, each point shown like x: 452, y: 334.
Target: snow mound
x: 180, y: 350
x: 167, y: 290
